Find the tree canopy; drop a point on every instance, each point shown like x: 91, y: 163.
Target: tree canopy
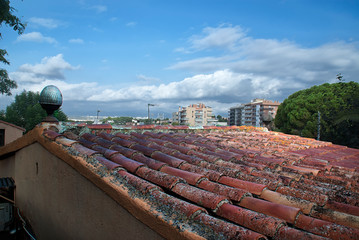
x: 221, y: 119
x: 117, y: 120
x: 8, y: 18
x: 338, y: 104
x: 27, y: 112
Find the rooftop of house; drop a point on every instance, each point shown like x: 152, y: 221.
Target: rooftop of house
x: 216, y: 182
x: 12, y: 125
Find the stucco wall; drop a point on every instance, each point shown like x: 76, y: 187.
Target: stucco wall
x: 62, y: 204
x: 7, y: 167
x: 11, y: 133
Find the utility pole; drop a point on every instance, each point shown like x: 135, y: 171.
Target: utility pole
x: 318, y: 137
x: 148, y: 111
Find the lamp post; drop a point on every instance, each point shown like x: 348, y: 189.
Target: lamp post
x: 98, y: 111
x: 148, y: 111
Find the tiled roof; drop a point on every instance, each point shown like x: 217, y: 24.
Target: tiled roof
x: 229, y: 182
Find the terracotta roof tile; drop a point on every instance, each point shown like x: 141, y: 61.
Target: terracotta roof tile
x: 281, y: 211
x: 342, y: 207
x: 107, y: 163
x: 233, y: 194
x: 239, y: 182
x: 50, y: 134
x: 251, y: 187
x: 190, y: 177
x: 84, y: 150
x: 178, y: 205
x: 229, y: 230
x: 201, y: 197
x: 139, y: 183
x: 129, y: 164
x: 276, y: 197
x: 65, y: 141
x: 172, y: 161
x: 162, y: 179
x: 292, y: 233
x: 326, y: 229
x: 255, y: 221
x: 86, y: 143
x: 212, y: 175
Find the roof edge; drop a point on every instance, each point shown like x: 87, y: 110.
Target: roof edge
x: 21, y: 142
x: 13, y: 125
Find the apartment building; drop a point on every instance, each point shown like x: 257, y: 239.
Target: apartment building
x: 258, y: 113
x: 195, y: 115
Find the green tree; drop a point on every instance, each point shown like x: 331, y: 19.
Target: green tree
x: 26, y: 111
x: 7, y: 17
x: 118, y: 120
x: 338, y: 104
x: 221, y: 119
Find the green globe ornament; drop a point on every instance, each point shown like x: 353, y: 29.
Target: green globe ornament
x: 50, y: 100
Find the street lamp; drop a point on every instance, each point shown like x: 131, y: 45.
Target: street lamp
x: 98, y: 111
x: 148, y: 111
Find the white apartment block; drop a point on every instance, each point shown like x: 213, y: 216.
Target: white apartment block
x: 256, y: 113
x: 195, y: 115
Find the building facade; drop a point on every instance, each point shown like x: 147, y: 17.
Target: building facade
x: 257, y: 113
x: 9, y: 132
x: 195, y: 115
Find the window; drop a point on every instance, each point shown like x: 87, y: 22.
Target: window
x: 2, y: 137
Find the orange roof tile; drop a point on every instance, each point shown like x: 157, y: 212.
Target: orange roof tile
x: 241, y: 182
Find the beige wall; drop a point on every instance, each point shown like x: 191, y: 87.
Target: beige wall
x: 62, y: 204
x: 205, y: 114
x: 11, y: 133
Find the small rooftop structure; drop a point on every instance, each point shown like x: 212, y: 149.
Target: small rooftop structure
x: 9, y: 132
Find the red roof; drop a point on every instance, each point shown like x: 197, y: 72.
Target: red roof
x: 239, y: 182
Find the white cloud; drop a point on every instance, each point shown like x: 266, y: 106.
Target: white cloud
x: 272, y: 58
x: 76, y: 40
x: 50, y: 71
x: 44, y: 22
x: 131, y: 24
x: 70, y: 91
x: 146, y: 78
x: 50, y: 68
x: 99, y: 8
x: 222, y: 85
x: 247, y: 68
x: 224, y: 36
x: 35, y: 37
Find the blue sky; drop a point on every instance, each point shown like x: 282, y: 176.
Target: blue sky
x: 118, y: 56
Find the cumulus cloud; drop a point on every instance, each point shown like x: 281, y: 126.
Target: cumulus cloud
x: 44, y: 22
x: 35, y: 37
x: 223, y: 85
x: 50, y: 68
x: 51, y: 71
x: 272, y: 58
x: 241, y: 68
